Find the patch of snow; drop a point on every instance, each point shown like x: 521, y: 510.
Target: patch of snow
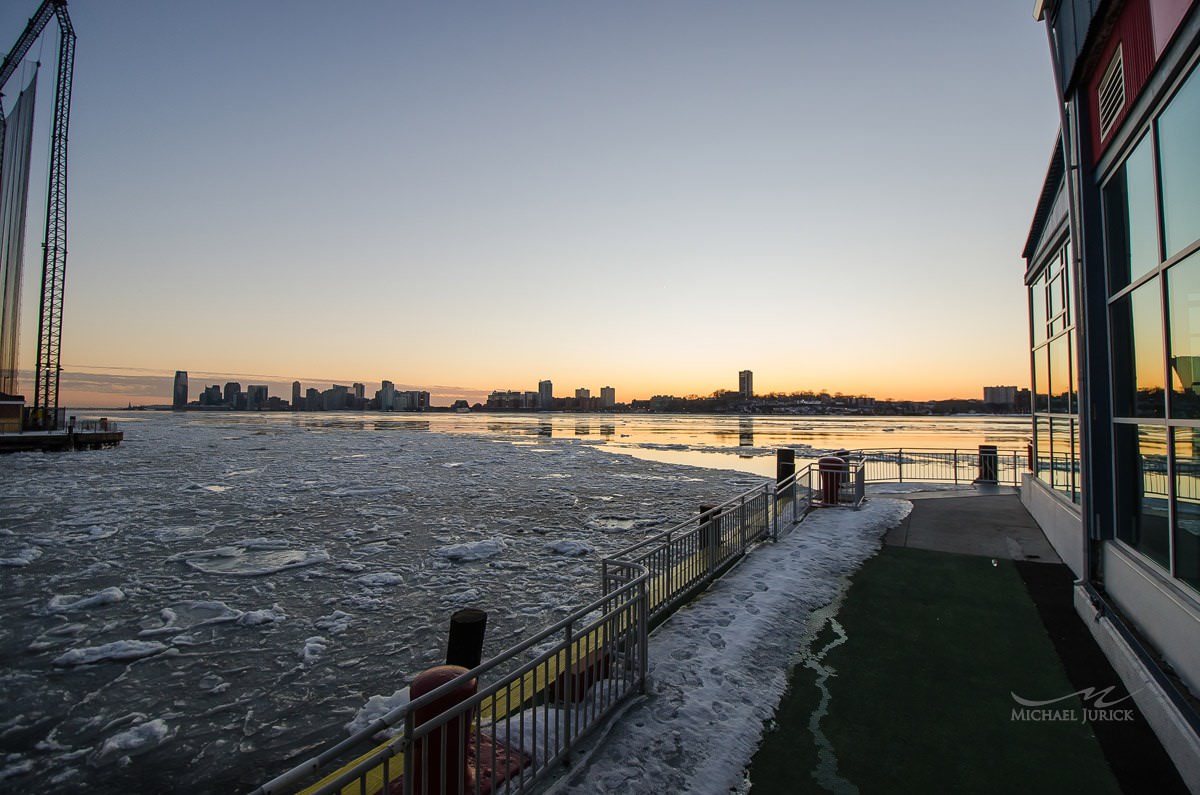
x: 22, y: 558
x: 254, y: 618
x: 703, y: 717
x: 383, y: 579
x: 134, y: 741
x: 314, y: 647
x: 335, y: 623
x: 911, y: 488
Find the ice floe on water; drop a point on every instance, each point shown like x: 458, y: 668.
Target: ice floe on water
x: 117, y: 651
x: 255, y: 620
x: 134, y: 741
x: 375, y: 708
x: 472, y: 550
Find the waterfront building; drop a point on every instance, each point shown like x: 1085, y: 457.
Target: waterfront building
x: 545, y: 395
x: 312, y: 399
x: 1113, y: 273
x: 232, y: 390
x: 211, y: 396
x: 296, y: 395
x: 360, y: 391
x: 179, y: 393
x: 746, y: 384
x: 608, y: 397
x: 583, y: 393
x: 1000, y: 395
x: 387, y: 396
x: 256, y: 397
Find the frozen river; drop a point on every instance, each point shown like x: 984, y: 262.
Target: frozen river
x: 223, y: 592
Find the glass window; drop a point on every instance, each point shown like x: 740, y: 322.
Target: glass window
x: 1179, y: 156
x: 1068, y: 269
x: 1041, y: 430
x: 1183, y: 307
x: 1141, y: 457
x: 1074, y: 372
x: 1131, y: 219
x: 1037, y: 309
x: 1041, y: 379
x: 1187, y: 505
x: 1060, y: 439
x: 1060, y: 375
x: 1137, y: 350
x: 1058, y: 303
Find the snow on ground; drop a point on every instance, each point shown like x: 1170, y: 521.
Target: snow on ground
x: 719, y: 666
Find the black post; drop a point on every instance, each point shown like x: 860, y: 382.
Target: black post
x: 785, y: 464
x: 710, y: 535
x: 465, y: 644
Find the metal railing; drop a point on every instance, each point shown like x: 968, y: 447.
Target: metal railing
x: 540, y: 697
x: 529, y: 705
x: 939, y: 466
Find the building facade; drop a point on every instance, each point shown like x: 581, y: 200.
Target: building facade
x: 545, y: 395
x: 608, y: 397
x: 746, y: 384
x: 1113, y: 273
x: 179, y: 391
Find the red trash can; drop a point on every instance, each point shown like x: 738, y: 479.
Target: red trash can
x: 833, y: 470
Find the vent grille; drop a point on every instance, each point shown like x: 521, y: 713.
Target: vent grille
x: 1111, y: 94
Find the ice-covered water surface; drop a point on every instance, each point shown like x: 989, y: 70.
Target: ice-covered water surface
x: 220, y: 594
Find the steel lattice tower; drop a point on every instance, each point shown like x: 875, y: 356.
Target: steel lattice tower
x: 54, y: 245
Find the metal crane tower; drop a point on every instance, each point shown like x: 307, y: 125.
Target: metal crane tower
x: 54, y: 245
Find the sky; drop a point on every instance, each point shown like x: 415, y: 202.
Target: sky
x: 468, y: 196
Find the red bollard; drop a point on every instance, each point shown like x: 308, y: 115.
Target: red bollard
x: 440, y: 758
x: 832, y: 471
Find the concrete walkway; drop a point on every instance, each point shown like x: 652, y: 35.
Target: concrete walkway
x: 991, y: 523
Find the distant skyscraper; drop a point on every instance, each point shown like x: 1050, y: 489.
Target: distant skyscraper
x: 232, y: 390
x: 256, y: 397
x: 296, y: 394
x: 360, y: 391
x: 608, y: 397
x: 387, y: 396
x: 583, y: 393
x: 180, y: 393
x: 746, y: 384
x: 545, y: 395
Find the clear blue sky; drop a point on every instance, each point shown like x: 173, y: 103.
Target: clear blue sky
x: 648, y: 195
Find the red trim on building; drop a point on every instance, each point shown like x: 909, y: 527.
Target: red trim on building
x: 1134, y: 33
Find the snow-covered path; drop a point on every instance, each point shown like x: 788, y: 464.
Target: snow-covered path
x: 719, y: 666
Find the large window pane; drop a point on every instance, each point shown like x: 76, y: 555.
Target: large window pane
x: 1187, y: 505
x: 1060, y: 375
x: 1074, y: 372
x: 1037, y: 309
x: 1131, y: 218
x: 1041, y: 379
x: 1137, y: 348
x: 1075, y: 461
x: 1183, y: 306
x: 1060, y: 440
x: 1041, y: 430
x: 1141, y: 452
x: 1178, y: 131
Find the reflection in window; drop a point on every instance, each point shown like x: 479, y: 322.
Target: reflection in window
x: 1060, y: 375
x: 1130, y: 218
x: 1180, y: 160
x: 1041, y: 430
x: 1037, y: 309
x: 1060, y: 440
x: 1075, y: 461
x: 1041, y: 379
x: 1183, y: 306
x: 1137, y: 349
x: 1187, y: 505
x: 1141, y: 458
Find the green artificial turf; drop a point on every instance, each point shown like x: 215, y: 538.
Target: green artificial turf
x: 919, y: 690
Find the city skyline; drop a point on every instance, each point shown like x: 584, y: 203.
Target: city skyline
x: 492, y: 194
x: 159, y: 390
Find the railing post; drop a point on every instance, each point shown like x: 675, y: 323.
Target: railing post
x: 410, y: 726
x: 569, y: 675
x: 956, y: 466
x: 644, y: 634
x: 670, y: 566
x: 900, y: 464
